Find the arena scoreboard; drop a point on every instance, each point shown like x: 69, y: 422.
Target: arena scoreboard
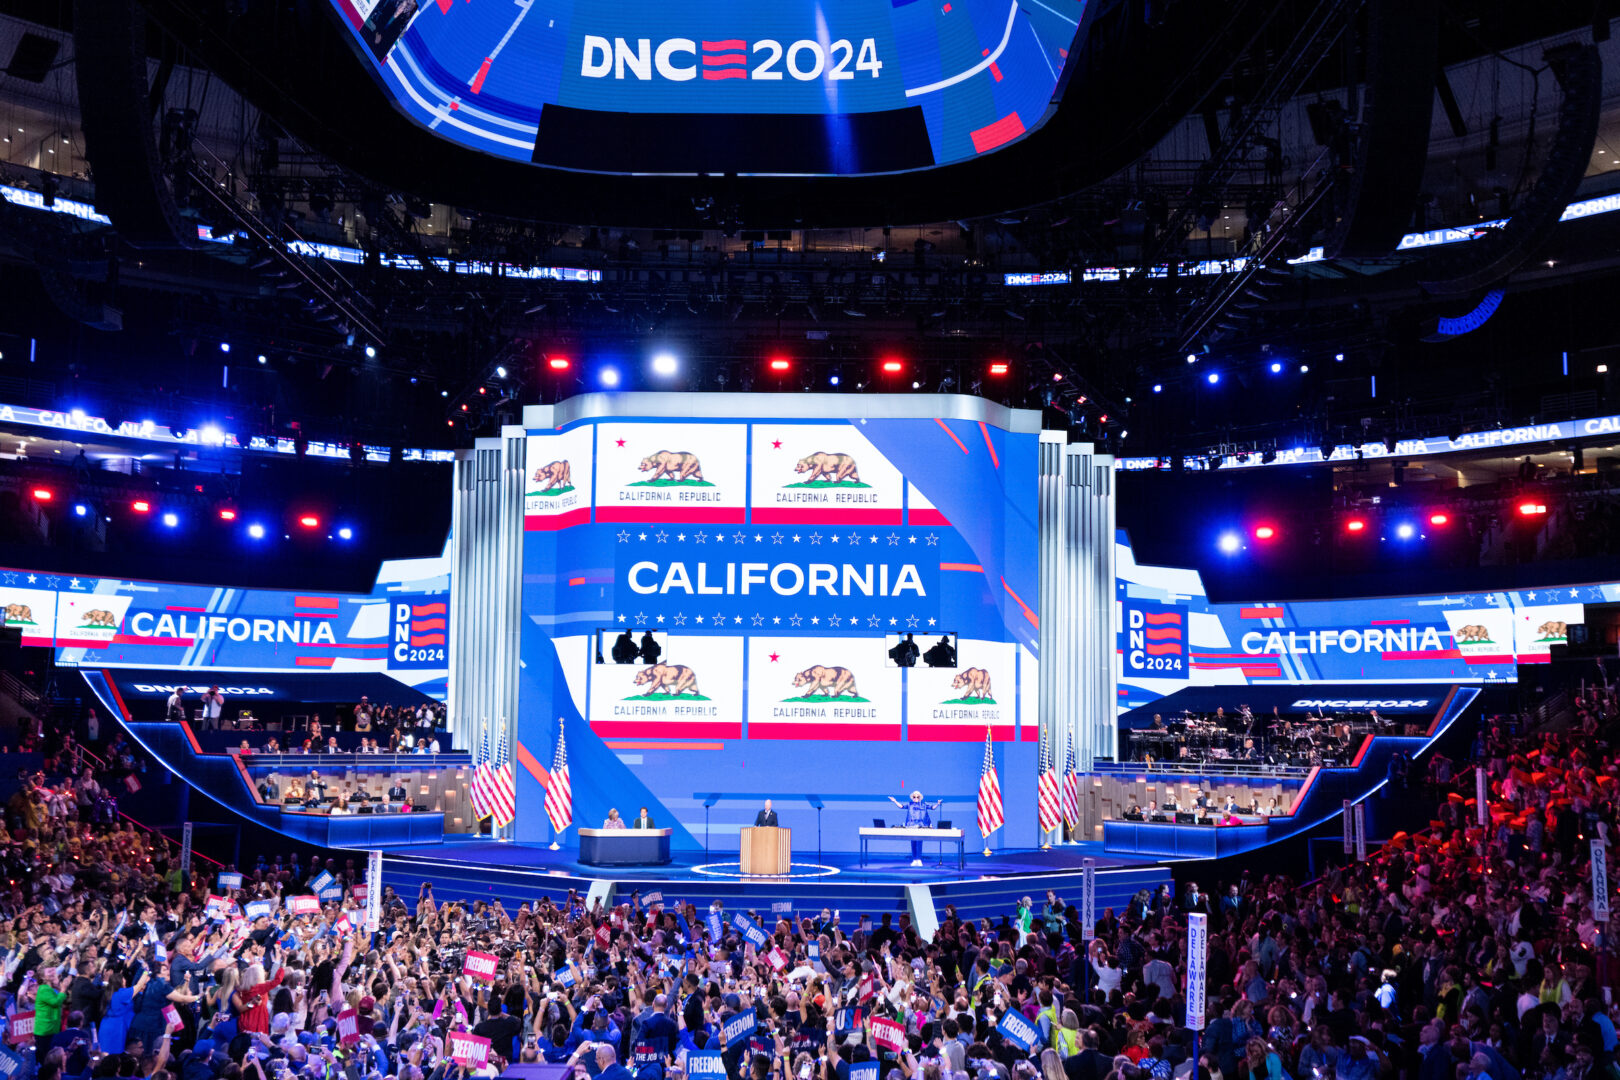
x: 831, y: 88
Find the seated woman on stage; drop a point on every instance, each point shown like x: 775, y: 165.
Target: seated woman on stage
x: 614, y: 821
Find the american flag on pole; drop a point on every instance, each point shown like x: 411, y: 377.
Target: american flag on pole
x: 1051, y: 815
x: 503, y: 785
x: 478, y: 790
x: 989, y: 792
x: 1071, y: 787
x: 559, y: 795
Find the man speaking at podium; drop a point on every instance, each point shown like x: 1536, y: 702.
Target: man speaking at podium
x: 766, y: 816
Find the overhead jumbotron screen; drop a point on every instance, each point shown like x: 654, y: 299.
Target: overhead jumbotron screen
x: 836, y: 87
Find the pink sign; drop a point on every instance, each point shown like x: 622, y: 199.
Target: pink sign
x: 21, y: 1029
x: 777, y: 959
x: 887, y: 1034
x: 480, y: 965
x: 303, y: 905
x: 348, y: 1026
x: 468, y: 1049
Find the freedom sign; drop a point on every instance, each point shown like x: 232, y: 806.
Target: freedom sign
x: 228, y: 880
x: 348, y: 1026
x: 21, y: 1029
x: 866, y: 1070
x: 468, y: 1049
x: 889, y: 1035
x: 480, y: 965
x: 706, y: 1064
x: 303, y: 905
x: 256, y: 908
x: 715, y: 929
x: 321, y: 881
x: 217, y: 907
x: 1018, y: 1030
x: 740, y: 1026
x: 777, y: 959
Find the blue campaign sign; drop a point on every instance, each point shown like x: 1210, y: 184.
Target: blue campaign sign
x: 1018, y: 1030
x: 705, y: 1064
x: 229, y: 880
x: 941, y: 83
x: 847, y: 1020
x: 815, y: 956
x: 319, y: 882
x: 14, y: 1066
x: 749, y: 929
x: 716, y: 930
x: 866, y: 1070
x: 565, y: 977
x: 254, y: 909
x: 740, y: 1026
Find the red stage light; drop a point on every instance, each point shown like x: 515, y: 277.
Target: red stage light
x: 1264, y: 532
x: 780, y: 364
x: 558, y: 363
x: 227, y: 514
x: 1531, y: 509
x: 1355, y: 525
x: 893, y: 367
x: 998, y: 367
x: 1439, y: 519
x: 310, y: 521
x: 140, y: 506
x: 44, y: 494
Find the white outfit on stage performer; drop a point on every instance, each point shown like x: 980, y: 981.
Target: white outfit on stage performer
x: 916, y: 818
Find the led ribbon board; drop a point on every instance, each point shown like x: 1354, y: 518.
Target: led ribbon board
x: 837, y: 87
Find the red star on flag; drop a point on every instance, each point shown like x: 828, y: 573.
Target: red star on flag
x: 776, y: 444
x: 620, y: 442
x: 773, y: 658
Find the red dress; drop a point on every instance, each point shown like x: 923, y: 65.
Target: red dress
x: 257, y: 1015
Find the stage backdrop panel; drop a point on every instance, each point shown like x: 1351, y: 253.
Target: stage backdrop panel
x: 1172, y: 637
x: 775, y: 557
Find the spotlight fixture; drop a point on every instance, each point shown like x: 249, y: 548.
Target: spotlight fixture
x: 1229, y: 543
x: 1265, y: 532
x: 256, y: 531
x: 1439, y: 519
x: 309, y: 521
x: 562, y: 363
x: 608, y: 377
x: 665, y: 364
x: 1355, y: 525
x: 141, y: 506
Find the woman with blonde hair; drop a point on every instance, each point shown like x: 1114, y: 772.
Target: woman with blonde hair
x: 1051, y: 1065
x: 1066, y: 1035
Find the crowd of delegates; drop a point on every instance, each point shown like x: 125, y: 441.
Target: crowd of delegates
x: 1459, y: 953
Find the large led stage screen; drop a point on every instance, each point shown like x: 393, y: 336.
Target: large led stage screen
x: 776, y: 563
x: 832, y: 87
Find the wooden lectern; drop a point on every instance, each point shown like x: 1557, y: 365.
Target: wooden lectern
x: 766, y: 850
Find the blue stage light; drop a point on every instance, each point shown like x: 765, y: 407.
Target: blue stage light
x: 256, y: 531
x: 80, y: 510
x: 171, y: 520
x: 1229, y: 543
x: 608, y: 377
x: 345, y: 533
x: 1214, y: 377
x: 1276, y: 368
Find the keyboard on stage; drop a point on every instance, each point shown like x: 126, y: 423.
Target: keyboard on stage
x: 911, y: 833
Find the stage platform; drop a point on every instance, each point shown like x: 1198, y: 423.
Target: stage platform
x: 990, y: 886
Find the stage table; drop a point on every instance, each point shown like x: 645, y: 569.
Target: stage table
x: 624, y: 847
x: 940, y: 836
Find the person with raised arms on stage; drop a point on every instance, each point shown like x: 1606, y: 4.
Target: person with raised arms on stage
x: 766, y: 816
x: 917, y: 817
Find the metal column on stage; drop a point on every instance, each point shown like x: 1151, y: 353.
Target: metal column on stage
x: 1079, y: 662
x: 487, y: 532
